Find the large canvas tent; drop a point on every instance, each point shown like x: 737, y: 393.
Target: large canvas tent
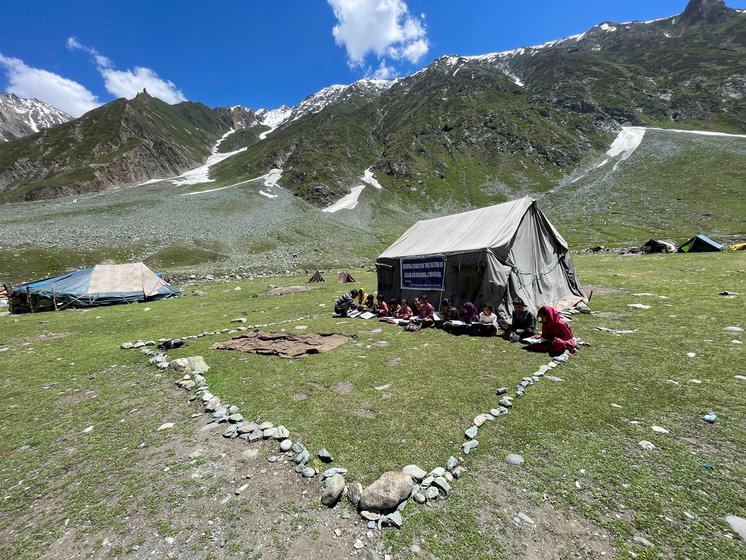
x: 700, y: 244
x: 490, y: 255
x: 90, y: 287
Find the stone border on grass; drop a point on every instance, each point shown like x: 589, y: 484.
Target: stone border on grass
x: 380, y: 503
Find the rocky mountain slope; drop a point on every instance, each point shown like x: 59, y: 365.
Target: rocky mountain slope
x: 467, y: 131
x: 460, y: 133
x: 20, y: 117
x: 122, y: 143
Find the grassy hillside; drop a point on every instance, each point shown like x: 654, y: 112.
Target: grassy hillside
x: 673, y: 186
x: 124, y: 487
x: 116, y: 144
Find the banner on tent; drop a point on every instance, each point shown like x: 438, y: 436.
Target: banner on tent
x: 423, y: 273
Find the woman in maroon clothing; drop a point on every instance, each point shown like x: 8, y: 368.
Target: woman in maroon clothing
x: 556, y: 335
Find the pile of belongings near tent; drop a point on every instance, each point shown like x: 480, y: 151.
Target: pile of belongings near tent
x: 103, y: 284
x: 283, y: 344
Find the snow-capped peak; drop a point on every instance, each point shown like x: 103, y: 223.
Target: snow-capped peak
x: 319, y: 101
x: 20, y: 117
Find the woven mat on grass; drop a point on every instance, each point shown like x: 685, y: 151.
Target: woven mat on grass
x: 283, y: 344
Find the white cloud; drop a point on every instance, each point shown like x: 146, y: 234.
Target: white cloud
x: 62, y: 93
x: 383, y: 72
x: 128, y: 83
x: 382, y: 27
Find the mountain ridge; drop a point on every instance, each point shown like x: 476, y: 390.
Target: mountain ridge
x: 20, y: 117
x: 467, y: 129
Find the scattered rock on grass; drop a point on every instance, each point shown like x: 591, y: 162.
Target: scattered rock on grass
x: 333, y: 490
x: 325, y: 456
x: 738, y: 524
x: 469, y: 445
x: 647, y: 445
x: 514, y: 459
x: 643, y: 541
x: 415, y: 472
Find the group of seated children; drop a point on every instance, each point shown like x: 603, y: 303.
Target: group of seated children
x: 555, y: 337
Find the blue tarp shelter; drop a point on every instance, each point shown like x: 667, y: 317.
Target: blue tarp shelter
x: 91, y: 287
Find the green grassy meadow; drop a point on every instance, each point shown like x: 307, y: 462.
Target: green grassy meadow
x: 64, y: 371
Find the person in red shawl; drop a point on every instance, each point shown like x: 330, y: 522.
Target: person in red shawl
x: 556, y: 334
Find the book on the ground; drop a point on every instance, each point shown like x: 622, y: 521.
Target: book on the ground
x: 367, y: 315
x: 532, y: 340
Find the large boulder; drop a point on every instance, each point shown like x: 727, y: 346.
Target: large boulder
x: 193, y: 364
x: 387, y: 492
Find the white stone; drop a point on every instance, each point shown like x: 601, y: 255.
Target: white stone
x: 647, y: 445
x: 659, y: 430
x: 166, y: 426
x: 738, y: 524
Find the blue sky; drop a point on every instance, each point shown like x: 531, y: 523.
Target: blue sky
x: 263, y: 53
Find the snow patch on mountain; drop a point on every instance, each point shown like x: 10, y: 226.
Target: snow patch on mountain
x: 319, y: 101
x: 20, y: 117
x: 272, y: 119
x: 370, y: 179
x: 700, y: 132
x: 201, y: 174
x: 626, y: 143
x: 269, y: 179
x: 349, y: 201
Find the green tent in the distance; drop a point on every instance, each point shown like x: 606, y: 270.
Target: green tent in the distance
x: 700, y: 244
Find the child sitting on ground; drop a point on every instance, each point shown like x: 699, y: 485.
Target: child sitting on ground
x: 556, y: 334
x: 522, y: 324
x: 382, y: 309
x: 486, y: 325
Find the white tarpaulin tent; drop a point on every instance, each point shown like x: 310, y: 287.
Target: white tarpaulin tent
x: 489, y: 255
x: 103, y: 284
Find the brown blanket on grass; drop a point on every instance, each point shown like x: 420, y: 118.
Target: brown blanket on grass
x: 285, y: 345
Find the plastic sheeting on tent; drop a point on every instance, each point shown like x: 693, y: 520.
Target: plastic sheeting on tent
x: 700, y: 244
x: 490, y: 255
x: 90, y: 287
x: 656, y: 246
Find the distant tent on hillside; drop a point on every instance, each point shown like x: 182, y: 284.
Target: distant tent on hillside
x: 316, y: 278
x: 700, y: 244
x: 91, y: 287
x: 655, y: 246
x: 345, y: 277
x: 490, y: 255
